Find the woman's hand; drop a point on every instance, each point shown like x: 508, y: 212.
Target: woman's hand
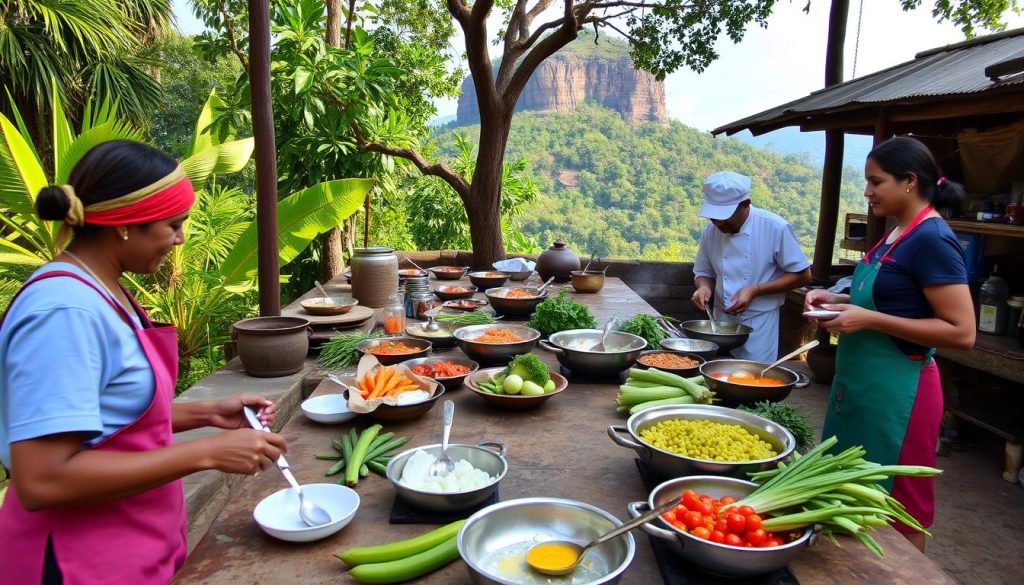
x: 227, y: 413
x: 851, y: 318
x: 817, y: 297
x: 243, y: 451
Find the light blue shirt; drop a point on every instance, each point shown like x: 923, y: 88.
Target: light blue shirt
x: 68, y: 363
x: 764, y: 249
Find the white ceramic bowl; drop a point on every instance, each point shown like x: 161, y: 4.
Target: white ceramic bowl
x: 278, y: 513
x: 328, y: 409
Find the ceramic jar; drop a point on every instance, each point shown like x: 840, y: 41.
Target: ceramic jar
x: 558, y: 261
x: 374, y: 275
x: 272, y: 346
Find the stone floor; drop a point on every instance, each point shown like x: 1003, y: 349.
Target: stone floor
x: 977, y: 530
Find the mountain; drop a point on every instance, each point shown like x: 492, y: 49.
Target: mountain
x: 793, y: 141
x: 583, y: 71
x: 634, y: 191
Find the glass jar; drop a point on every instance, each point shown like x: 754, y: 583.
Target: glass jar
x: 422, y: 302
x: 393, y: 316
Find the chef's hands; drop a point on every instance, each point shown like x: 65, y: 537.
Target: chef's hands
x: 227, y: 413
x: 701, y: 297
x: 742, y: 299
x: 244, y: 451
x: 851, y: 318
x: 815, y: 298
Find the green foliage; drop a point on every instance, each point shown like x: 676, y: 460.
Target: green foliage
x: 635, y: 191
x: 968, y: 14
x: 791, y: 416
x: 560, y: 313
x: 644, y: 326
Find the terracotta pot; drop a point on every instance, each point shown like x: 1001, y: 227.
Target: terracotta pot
x: 272, y: 346
x: 374, y: 275
x: 558, y: 261
x: 822, y: 362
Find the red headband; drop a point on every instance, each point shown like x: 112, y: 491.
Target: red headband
x: 173, y: 200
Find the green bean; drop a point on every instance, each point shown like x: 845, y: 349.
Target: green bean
x: 386, y: 447
x: 335, y: 469
x: 328, y: 457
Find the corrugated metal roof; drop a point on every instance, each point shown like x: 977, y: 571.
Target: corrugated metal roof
x: 940, y: 73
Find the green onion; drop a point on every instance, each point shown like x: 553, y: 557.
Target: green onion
x: 477, y: 317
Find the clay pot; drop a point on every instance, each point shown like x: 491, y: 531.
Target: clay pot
x: 270, y: 347
x: 822, y: 362
x: 558, y: 261
x: 374, y: 276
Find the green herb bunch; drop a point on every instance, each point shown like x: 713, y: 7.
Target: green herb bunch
x: 561, y: 314
x: 340, y: 351
x: 790, y: 416
x: 644, y: 326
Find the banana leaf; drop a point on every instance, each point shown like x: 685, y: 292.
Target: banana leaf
x: 229, y: 157
x: 301, y: 217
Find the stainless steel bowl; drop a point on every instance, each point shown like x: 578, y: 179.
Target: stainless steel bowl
x: 520, y: 276
x: 441, y: 274
x: 625, y: 348
x: 705, y: 349
x: 453, y: 382
x: 736, y: 394
x: 493, y: 532
x: 486, y: 279
x: 445, y: 293
x: 504, y: 305
x: 481, y: 456
x: 673, y: 465
x: 721, y: 559
x: 729, y: 336
x: 495, y: 353
x: 684, y: 372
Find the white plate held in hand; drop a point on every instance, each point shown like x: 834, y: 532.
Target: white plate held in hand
x: 822, y: 314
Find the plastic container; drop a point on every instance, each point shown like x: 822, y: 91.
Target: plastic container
x: 1015, y: 307
x: 973, y: 246
x: 992, y: 307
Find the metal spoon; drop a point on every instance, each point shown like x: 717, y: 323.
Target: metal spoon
x: 796, y: 352
x: 711, y: 318
x: 592, y: 254
x: 543, y: 287
x: 444, y: 465
x: 417, y: 266
x: 582, y: 550
x: 599, y: 346
x: 322, y: 291
x: 311, y: 514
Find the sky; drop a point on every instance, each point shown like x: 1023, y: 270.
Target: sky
x: 775, y: 65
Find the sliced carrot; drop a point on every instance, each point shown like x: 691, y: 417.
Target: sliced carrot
x: 385, y: 379
x: 368, y: 380
x: 382, y: 373
x: 362, y: 385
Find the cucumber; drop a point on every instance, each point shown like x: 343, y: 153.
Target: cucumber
x: 361, y: 446
x: 408, y: 568
x: 401, y: 549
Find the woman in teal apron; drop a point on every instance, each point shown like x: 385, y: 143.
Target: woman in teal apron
x: 909, y: 296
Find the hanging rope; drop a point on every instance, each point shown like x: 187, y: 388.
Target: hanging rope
x: 856, y: 46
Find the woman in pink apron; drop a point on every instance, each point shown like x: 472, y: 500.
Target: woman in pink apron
x: 909, y: 296
x: 86, y: 384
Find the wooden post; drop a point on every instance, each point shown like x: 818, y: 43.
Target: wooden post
x: 876, y: 225
x: 269, y: 273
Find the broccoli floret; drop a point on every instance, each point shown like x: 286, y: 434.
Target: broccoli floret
x: 529, y: 367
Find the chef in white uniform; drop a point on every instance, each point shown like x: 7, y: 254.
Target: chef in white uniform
x: 747, y: 260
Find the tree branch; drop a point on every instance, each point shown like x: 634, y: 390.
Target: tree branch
x: 459, y: 11
x: 229, y: 29
x: 439, y: 170
x: 565, y: 34
x: 480, y: 10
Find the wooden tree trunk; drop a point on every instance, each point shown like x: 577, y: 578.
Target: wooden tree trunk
x: 483, y: 206
x: 332, y: 261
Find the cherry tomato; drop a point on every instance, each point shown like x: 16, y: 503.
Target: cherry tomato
x: 733, y: 540
x: 727, y: 500
x: 669, y: 516
x: 690, y: 499
x: 722, y: 525
x: 701, y: 532
x: 737, y: 523
x: 707, y: 499
x: 705, y: 508
x: 756, y: 537
x: 745, y: 510
x: 773, y: 542
x: 679, y: 525
x: 717, y: 536
x: 680, y: 510
x: 753, y: 522
x: 693, y: 520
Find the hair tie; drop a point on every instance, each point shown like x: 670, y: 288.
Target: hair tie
x: 76, y: 211
x: 941, y: 181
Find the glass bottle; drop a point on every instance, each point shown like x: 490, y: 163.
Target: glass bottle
x: 394, y: 314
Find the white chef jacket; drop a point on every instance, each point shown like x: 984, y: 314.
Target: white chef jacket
x: 764, y: 249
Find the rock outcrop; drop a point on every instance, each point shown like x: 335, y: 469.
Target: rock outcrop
x: 565, y: 80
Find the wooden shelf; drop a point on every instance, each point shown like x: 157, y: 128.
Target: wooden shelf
x: 1002, y: 357
x: 990, y: 229
x: 854, y: 245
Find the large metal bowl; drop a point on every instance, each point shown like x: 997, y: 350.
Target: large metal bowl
x: 481, y: 456
x: 449, y: 272
x: 736, y: 394
x: 504, y: 305
x: 453, y: 382
x: 673, y: 465
x: 625, y: 348
x: 729, y: 336
x: 495, y: 353
x: 705, y: 349
x: 498, y: 532
x: 486, y: 279
x: 721, y: 559
x: 445, y: 292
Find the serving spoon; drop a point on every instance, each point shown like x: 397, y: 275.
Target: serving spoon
x: 544, y: 287
x: 809, y: 345
x: 310, y: 513
x: 327, y: 297
x: 711, y: 318
x: 599, y: 346
x: 581, y: 551
x: 444, y: 465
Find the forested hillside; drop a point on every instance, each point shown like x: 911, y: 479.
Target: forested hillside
x: 634, y: 192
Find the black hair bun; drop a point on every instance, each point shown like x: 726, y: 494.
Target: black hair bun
x: 52, y: 204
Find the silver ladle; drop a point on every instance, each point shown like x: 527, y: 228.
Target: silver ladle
x: 809, y: 345
x: 581, y: 551
x: 311, y: 514
x: 444, y: 465
x: 322, y: 291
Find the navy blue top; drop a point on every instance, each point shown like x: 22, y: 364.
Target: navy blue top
x: 929, y: 255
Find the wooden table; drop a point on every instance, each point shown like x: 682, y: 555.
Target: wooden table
x: 559, y: 450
